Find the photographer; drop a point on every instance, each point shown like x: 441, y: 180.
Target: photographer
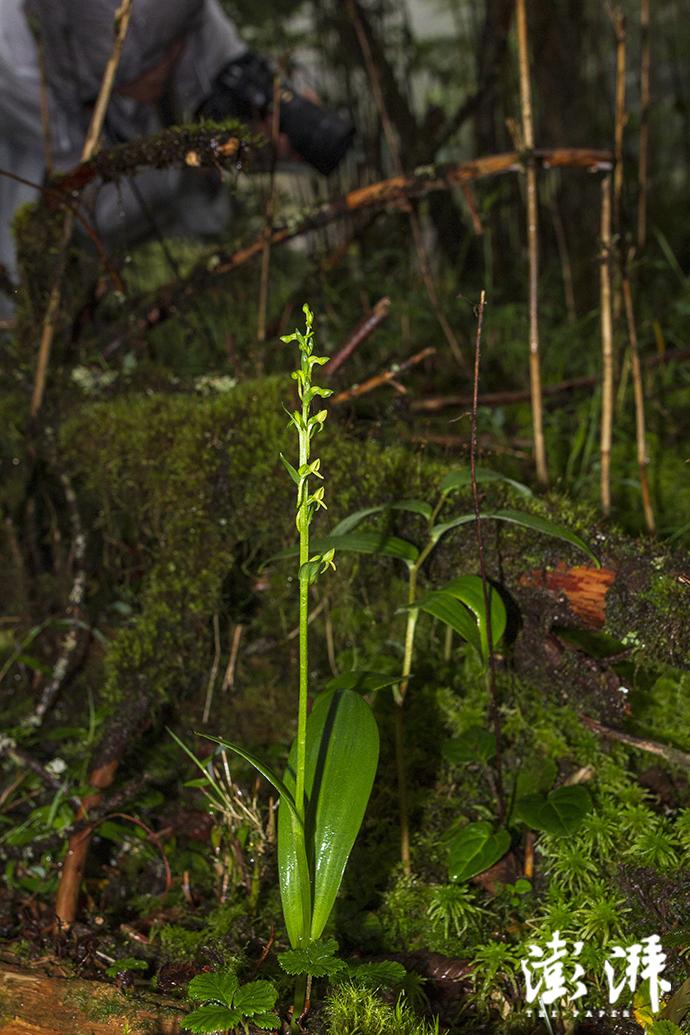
x: 181, y: 60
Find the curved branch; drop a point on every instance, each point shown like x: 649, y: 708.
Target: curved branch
x: 166, y: 301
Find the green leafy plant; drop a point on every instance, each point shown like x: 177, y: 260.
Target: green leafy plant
x: 461, y: 604
x: 333, y: 760
x: 227, y: 1005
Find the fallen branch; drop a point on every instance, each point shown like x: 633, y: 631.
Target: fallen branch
x: 441, y: 402
x: 673, y: 755
x: 50, y: 319
x: 74, y: 606
x: 387, y: 377
x: 362, y: 331
x: 167, y: 300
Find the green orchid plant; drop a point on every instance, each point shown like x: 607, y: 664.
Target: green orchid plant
x: 332, y: 763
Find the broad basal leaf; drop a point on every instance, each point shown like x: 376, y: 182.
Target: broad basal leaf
x: 372, y: 542
x: 516, y: 517
x: 218, y: 986
x: 474, y: 745
x: 420, y: 507
x: 341, y: 760
x: 318, y: 959
x: 559, y: 813
x: 474, y: 849
x: 211, y: 1019
x: 462, y: 479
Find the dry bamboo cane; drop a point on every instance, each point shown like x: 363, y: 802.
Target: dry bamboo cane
x: 122, y: 16
x: 645, y: 105
x: 620, y: 118
x: 533, y: 248
x: 636, y: 372
x: 606, y: 345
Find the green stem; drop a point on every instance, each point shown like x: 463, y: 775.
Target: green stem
x: 303, y: 518
x: 399, y: 696
x: 299, y: 1000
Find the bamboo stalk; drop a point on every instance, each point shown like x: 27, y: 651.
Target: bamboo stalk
x: 636, y: 372
x: 645, y: 105
x: 533, y: 248
x: 606, y: 345
x: 620, y: 117
x: 50, y: 319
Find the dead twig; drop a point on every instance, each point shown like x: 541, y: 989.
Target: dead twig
x: 362, y: 331
x: 645, y: 105
x: 388, y: 377
x: 638, y: 389
x: 229, y: 677
x: 122, y: 16
x: 673, y: 755
x: 434, y: 403
x: 74, y: 610
x: 486, y: 587
x: 606, y: 345
x: 213, y: 675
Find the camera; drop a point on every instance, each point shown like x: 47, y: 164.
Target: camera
x: 244, y: 88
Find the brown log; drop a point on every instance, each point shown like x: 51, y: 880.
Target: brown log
x: 37, y: 1003
x: 585, y: 589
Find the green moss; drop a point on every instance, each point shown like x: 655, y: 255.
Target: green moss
x: 353, y: 1010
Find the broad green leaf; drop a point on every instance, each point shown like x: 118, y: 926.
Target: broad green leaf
x: 359, y: 542
x: 451, y: 612
x: 383, y: 974
x: 559, y: 813
x: 341, y: 761
x: 218, y: 986
x: 318, y: 959
x: 255, y: 997
x: 474, y: 849
x: 420, y: 507
x: 462, y: 479
x: 517, y: 517
x: 362, y: 681
x: 211, y: 1019
x: 470, y: 590
x: 474, y: 745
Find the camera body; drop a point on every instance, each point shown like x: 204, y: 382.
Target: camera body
x: 244, y: 88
